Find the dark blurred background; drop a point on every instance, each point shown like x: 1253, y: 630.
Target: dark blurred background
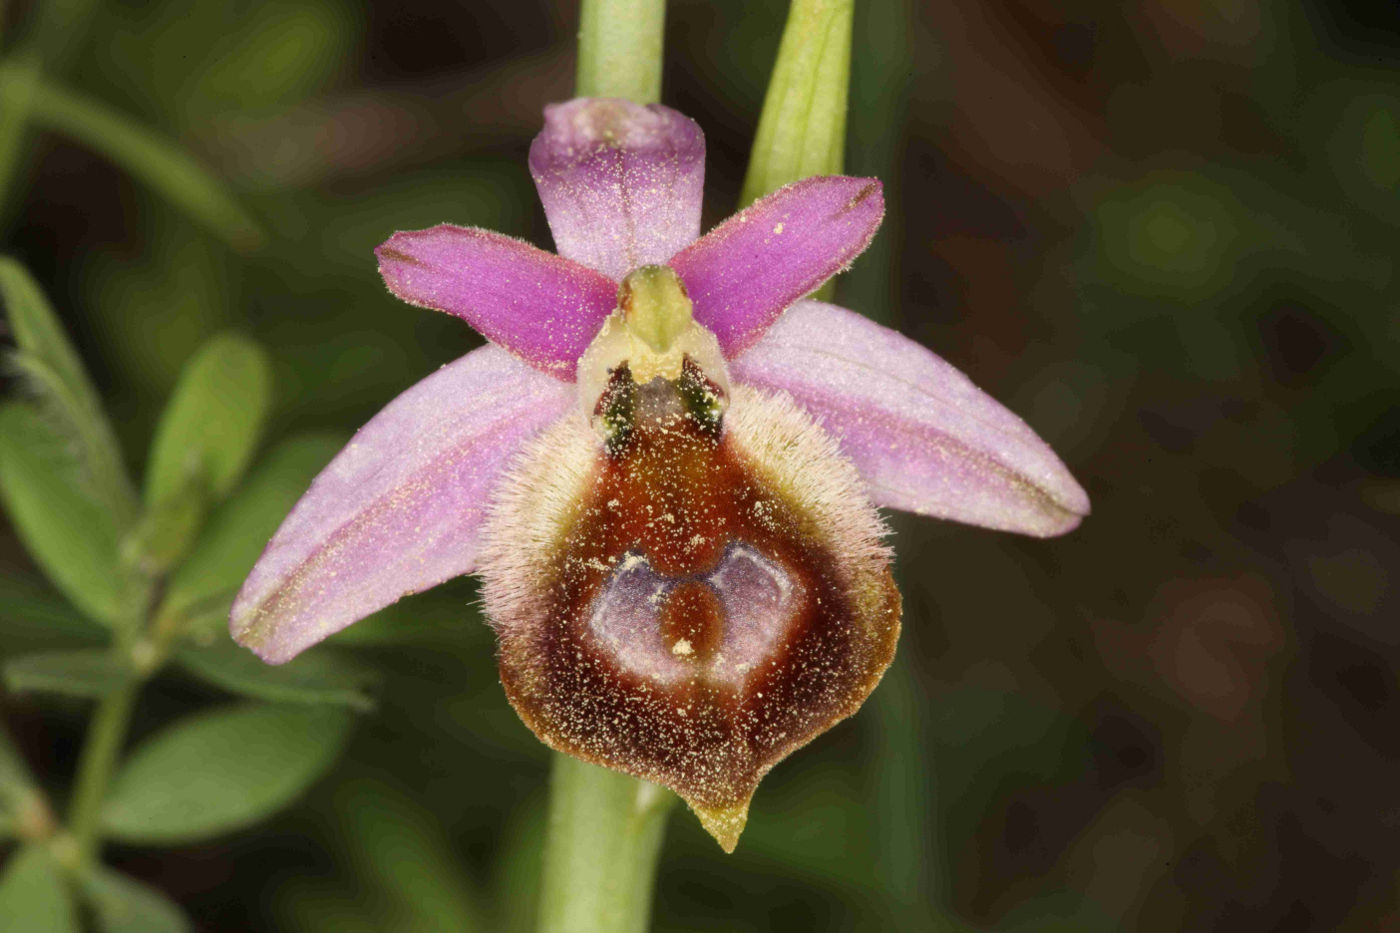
x: 1162, y: 232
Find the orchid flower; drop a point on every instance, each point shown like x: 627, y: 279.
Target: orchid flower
x: 665, y: 465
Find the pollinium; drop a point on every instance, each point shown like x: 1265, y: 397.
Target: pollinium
x: 702, y: 592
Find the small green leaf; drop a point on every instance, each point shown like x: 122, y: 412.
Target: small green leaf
x: 240, y: 528
x: 91, y: 673
x: 212, y: 424
x: 33, y: 895
x: 38, y: 618
x: 39, y: 334
x: 68, y: 531
x: 157, y: 161
x: 320, y: 677
x: 221, y: 771
x: 122, y: 904
x: 802, y: 130
x: 166, y: 531
x: 16, y: 781
x: 53, y: 371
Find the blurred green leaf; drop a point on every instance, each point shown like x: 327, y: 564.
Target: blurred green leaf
x: 166, y: 530
x: 400, y: 851
x: 515, y: 879
x: 1380, y: 147
x: 124, y: 905
x: 985, y: 738
x: 38, y: 332
x: 319, y: 677
x: 214, y: 419
x: 68, y: 531
x: 280, y: 53
x: 38, y: 618
x: 1058, y: 912
x: 159, y: 162
x: 221, y: 771
x: 802, y: 130
x: 56, y: 372
x: 448, y: 615
x: 14, y: 119
x: 91, y: 673
x: 59, y: 28
x: 16, y: 781
x: 33, y: 895
x: 313, y: 906
x: 240, y: 528
x: 181, y: 286
x: 251, y: 57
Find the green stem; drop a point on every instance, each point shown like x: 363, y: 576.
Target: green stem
x: 619, y: 49
x: 105, y: 738
x: 603, y: 840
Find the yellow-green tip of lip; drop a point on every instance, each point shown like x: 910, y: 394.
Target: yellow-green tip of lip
x: 724, y: 823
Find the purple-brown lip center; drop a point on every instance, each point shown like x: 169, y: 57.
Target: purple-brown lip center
x: 716, y: 627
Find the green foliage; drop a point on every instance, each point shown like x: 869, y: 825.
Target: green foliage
x: 37, y: 618
x: 515, y: 881
x: 321, y: 677
x: 222, y: 770
x: 212, y: 424
x: 802, y: 130
x: 57, y: 376
x: 16, y: 783
x: 166, y: 167
x: 124, y: 905
x: 92, y: 673
x: 32, y: 887
x: 167, y: 530
x: 239, y: 529
x: 182, y: 287
x: 254, y: 57
x: 405, y: 861
x: 67, y: 528
x: 14, y: 116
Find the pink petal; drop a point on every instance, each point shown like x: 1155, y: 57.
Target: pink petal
x: 745, y: 272
x: 540, y: 307
x: 924, y: 437
x: 399, y: 509
x: 621, y: 183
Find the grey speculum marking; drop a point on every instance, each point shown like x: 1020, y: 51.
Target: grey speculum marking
x: 758, y: 600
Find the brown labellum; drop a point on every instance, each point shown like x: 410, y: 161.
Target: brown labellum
x: 696, y: 597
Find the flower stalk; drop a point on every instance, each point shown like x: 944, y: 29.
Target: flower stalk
x: 604, y: 837
x: 106, y: 735
x: 619, y: 49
